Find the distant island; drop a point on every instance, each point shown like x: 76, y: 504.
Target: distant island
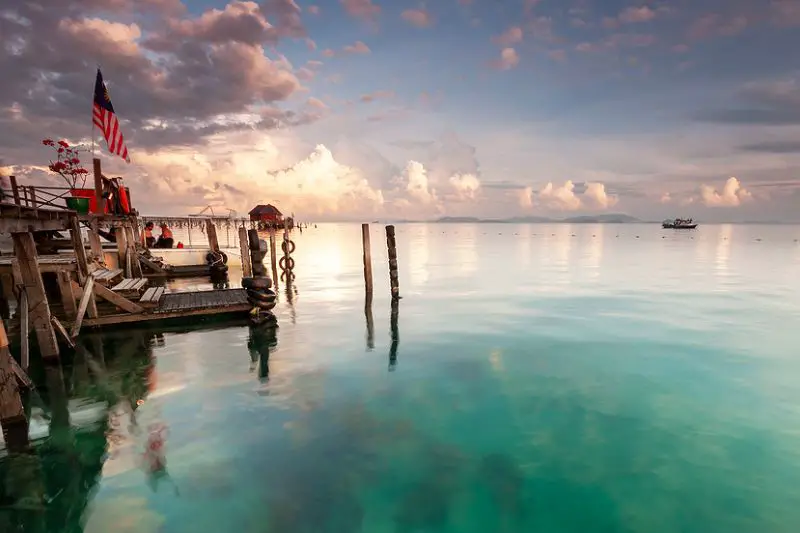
x: 616, y: 218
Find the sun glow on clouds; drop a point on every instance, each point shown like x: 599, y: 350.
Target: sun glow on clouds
x: 732, y: 194
x: 564, y: 198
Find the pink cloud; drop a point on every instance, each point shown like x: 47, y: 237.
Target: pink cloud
x: 586, y: 48
x: 510, y: 36
x: 610, y: 23
x: 529, y: 6
x: 680, y: 48
x: 785, y: 12
x: 363, y: 9
x: 508, y: 59
x: 311, y: 44
x: 633, y: 15
x: 357, y: 47
x: 417, y: 17
x: 557, y: 55
x: 328, y: 52
x: 376, y: 95
x: 316, y: 102
x: 313, y: 10
x: 714, y: 25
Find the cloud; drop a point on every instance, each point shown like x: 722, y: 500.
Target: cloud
x: 508, y: 59
x: 715, y: 25
x: 363, y: 9
x: 313, y: 10
x: 785, y: 12
x: 316, y: 102
x: 417, y: 17
x: 633, y: 15
x: 773, y: 147
x: 557, y: 55
x: 416, y: 184
x: 376, y: 95
x: 767, y: 102
x: 560, y: 198
x: 510, y: 36
x: 357, y: 47
x: 525, y: 197
x: 732, y: 195
x: 665, y: 198
x: 596, y: 193
x: 465, y: 185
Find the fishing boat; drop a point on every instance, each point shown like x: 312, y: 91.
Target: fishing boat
x: 679, y: 223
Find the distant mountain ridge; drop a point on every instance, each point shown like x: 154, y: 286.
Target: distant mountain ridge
x: 612, y: 218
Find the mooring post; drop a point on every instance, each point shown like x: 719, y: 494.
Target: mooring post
x: 25, y: 250
x: 211, y: 232
x: 392, y: 248
x: 12, y: 412
x: 244, y: 249
x: 98, y: 186
x: 367, y: 256
x: 273, y: 256
x: 287, y: 257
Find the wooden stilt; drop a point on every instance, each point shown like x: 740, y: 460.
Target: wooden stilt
x: 273, y: 256
x: 80, y: 251
x: 25, y: 250
x: 24, y: 331
x: 393, y: 328
x: 122, y: 249
x: 94, y: 240
x: 131, y: 256
x: 392, y: 249
x: 87, y: 295
x: 367, y: 256
x: 67, y: 296
x: 12, y: 414
x: 244, y: 249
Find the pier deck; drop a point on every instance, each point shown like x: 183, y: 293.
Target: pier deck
x: 181, y: 305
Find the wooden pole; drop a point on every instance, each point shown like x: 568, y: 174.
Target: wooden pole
x: 12, y: 412
x: 132, y: 255
x: 98, y: 186
x: 393, y: 319
x: 24, y: 331
x: 392, y: 248
x: 273, y: 256
x: 370, y: 325
x: 25, y: 250
x: 367, y: 256
x: 80, y: 252
x: 94, y: 240
x: 67, y: 296
x: 211, y: 233
x: 122, y: 249
x: 14, y: 189
x: 32, y: 190
x: 244, y: 249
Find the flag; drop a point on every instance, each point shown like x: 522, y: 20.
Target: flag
x: 104, y: 118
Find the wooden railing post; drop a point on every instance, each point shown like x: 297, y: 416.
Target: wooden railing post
x: 98, y: 186
x: 14, y: 189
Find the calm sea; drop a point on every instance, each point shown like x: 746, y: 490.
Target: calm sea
x: 548, y: 378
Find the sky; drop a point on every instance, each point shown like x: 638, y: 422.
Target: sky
x: 397, y: 109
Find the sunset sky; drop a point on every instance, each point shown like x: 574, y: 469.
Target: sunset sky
x: 365, y: 109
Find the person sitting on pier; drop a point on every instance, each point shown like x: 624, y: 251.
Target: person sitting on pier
x: 147, y: 235
x: 165, y: 239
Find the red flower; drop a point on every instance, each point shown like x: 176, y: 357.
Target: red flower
x: 64, y: 144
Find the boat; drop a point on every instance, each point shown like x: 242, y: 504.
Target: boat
x: 679, y: 223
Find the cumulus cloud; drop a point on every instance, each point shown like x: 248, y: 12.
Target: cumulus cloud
x: 732, y: 194
x: 665, y: 198
x: 357, y: 47
x: 525, y: 197
x: 416, y: 184
x: 511, y: 36
x: 596, y: 193
x: 417, y: 17
x: 465, y: 185
x: 376, y: 95
x: 560, y: 198
x: 508, y: 59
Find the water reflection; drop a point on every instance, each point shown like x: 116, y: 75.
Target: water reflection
x: 418, y: 253
x: 723, y: 250
x: 262, y: 338
x: 395, y: 333
x: 370, y: 323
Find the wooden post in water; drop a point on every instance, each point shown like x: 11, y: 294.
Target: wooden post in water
x: 25, y: 250
x: 391, y: 245
x: 367, y: 256
x: 12, y: 412
x: 393, y: 328
x: 273, y: 256
x: 211, y: 232
x: 244, y: 249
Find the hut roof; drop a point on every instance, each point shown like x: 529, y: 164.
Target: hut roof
x: 268, y: 209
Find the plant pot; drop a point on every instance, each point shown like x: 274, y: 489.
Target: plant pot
x: 89, y: 195
x: 81, y: 205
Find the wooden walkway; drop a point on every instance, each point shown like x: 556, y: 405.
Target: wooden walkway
x: 181, y: 305
x: 47, y: 263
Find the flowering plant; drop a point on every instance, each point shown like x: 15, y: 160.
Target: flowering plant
x: 67, y: 163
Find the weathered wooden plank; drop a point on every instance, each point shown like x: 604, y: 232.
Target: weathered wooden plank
x: 125, y: 284
x: 107, y: 320
x: 85, y: 297
x: 80, y: 251
x: 148, y: 295
x: 67, y: 296
x: 158, y: 294
x: 24, y: 330
x: 139, y: 284
x: 116, y: 299
x: 61, y: 331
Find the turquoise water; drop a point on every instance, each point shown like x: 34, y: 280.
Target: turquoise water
x: 536, y: 378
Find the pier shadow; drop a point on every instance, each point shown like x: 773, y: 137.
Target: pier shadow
x: 261, y: 340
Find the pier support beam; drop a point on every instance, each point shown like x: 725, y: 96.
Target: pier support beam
x: 80, y: 251
x: 244, y: 249
x: 211, y: 232
x: 25, y: 250
x: 122, y: 249
x: 12, y: 412
x: 94, y: 240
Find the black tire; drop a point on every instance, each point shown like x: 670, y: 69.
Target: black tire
x: 224, y: 258
x: 286, y: 261
x: 262, y: 296
x: 218, y: 268
x: 288, y: 244
x: 267, y: 306
x: 257, y: 283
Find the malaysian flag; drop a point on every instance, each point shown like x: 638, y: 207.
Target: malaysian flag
x: 104, y: 118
